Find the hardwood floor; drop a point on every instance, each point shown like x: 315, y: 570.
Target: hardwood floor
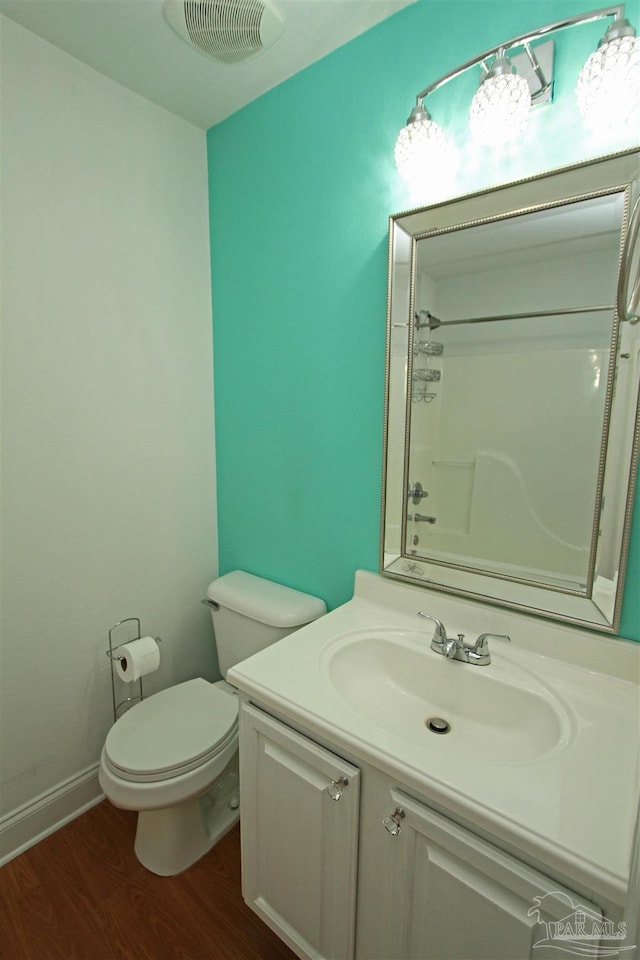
x: 81, y: 894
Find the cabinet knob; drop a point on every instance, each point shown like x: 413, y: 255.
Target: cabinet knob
x: 392, y: 823
x: 336, y: 787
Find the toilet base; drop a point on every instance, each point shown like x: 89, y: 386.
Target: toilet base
x: 171, y: 839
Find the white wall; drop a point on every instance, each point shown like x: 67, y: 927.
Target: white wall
x: 108, y: 483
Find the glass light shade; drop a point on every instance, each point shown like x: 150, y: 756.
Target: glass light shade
x: 500, y: 109
x: 608, y: 89
x: 422, y: 151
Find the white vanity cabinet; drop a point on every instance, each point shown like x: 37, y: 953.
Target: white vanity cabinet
x: 443, y: 893
x: 427, y: 888
x: 299, y: 815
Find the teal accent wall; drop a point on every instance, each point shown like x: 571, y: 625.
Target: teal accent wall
x: 302, y: 182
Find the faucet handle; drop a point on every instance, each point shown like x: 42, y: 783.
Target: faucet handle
x: 440, y: 642
x: 481, y: 646
x: 440, y: 633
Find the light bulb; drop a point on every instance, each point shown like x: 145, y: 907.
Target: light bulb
x: 501, y: 105
x: 422, y: 150
x: 608, y: 89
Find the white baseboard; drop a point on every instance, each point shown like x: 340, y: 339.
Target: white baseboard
x: 35, y: 820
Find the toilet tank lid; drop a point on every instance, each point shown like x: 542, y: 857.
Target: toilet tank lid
x: 265, y: 601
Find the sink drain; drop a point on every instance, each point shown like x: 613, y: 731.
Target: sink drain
x: 437, y: 725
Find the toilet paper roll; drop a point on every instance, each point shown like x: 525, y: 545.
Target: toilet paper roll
x: 137, y: 658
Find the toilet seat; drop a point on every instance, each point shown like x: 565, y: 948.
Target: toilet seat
x: 172, y: 732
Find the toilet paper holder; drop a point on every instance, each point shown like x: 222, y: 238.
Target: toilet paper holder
x: 114, y: 655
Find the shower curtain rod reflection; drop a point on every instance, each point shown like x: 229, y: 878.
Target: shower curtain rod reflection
x: 433, y: 322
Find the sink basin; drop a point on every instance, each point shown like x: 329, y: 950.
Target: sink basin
x: 501, y: 712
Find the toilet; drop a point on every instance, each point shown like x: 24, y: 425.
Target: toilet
x: 173, y: 757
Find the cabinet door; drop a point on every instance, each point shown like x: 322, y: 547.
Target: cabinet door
x: 299, y: 826
x: 454, y: 896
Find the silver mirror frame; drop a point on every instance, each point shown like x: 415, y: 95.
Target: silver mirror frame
x: 611, y: 174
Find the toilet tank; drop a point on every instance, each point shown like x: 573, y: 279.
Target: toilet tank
x: 252, y: 613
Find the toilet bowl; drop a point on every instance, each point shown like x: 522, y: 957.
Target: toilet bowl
x: 174, y: 756
x: 162, y: 758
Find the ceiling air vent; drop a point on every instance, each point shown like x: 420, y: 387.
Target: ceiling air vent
x: 226, y: 30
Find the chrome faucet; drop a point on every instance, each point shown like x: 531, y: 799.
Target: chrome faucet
x: 456, y: 648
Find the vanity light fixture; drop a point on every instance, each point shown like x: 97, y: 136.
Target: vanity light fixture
x: 500, y: 108
x: 518, y: 74
x: 608, y: 90
x: 421, y: 147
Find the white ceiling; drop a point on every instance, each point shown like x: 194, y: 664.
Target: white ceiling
x: 130, y: 41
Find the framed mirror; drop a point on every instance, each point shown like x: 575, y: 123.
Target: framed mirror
x: 512, y: 387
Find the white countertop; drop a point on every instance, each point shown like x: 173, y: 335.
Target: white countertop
x: 572, y: 809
